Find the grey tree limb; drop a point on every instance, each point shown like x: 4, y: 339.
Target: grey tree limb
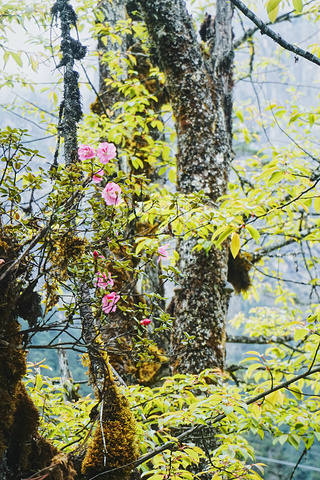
x: 265, y: 30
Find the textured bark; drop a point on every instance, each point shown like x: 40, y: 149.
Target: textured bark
x: 70, y: 108
x: 113, y: 13
x: 200, y: 93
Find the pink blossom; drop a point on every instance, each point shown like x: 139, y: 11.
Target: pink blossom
x: 2, y: 261
x: 85, y: 152
x: 104, y: 281
x: 97, y: 177
x: 111, y: 194
x: 106, y: 152
x: 145, y: 321
x: 109, y: 302
x: 95, y: 254
x: 163, y: 252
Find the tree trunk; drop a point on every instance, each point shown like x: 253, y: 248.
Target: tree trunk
x: 201, y: 98
x: 112, y: 13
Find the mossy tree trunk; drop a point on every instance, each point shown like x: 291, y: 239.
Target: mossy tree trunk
x: 200, y: 91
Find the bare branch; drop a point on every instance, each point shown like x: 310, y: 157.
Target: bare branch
x: 281, y: 18
x: 275, y: 36
x: 262, y: 339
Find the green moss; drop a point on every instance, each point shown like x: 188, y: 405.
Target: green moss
x: 24, y: 429
x: 114, y: 444
x: 148, y: 371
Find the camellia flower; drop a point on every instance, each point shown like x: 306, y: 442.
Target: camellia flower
x: 95, y: 254
x: 109, y: 302
x: 104, y: 281
x: 85, y: 152
x: 111, y: 194
x: 145, y: 321
x: 2, y: 261
x: 106, y: 152
x: 163, y: 252
x: 97, y: 177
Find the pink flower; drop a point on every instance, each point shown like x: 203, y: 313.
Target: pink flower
x: 97, y: 177
x: 85, y: 152
x: 2, y: 261
x: 111, y: 194
x: 106, y: 152
x: 95, y: 254
x: 163, y: 252
x: 104, y: 281
x: 109, y: 302
x: 145, y: 321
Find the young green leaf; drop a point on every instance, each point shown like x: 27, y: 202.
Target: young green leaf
x: 235, y: 244
x: 298, y: 5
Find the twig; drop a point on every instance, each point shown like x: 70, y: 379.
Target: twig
x: 275, y: 36
x: 296, y: 465
x: 281, y: 18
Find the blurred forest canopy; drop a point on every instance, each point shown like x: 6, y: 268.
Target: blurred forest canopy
x: 188, y: 187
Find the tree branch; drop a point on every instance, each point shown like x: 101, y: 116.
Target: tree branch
x: 275, y: 36
x: 281, y: 18
x: 262, y: 339
x: 37, y: 238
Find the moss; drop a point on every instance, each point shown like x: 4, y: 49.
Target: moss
x: 24, y: 428
x: 148, y: 371
x: 61, y: 468
x: 238, y: 271
x: 67, y: 249
x: 114, y: 444
x: 19, y: 441
x: 42, y: 453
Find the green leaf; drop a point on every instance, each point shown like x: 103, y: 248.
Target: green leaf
x: 298, y: 5
x: 311, y: 119
x: 6, y: 56
x: 172, y: 176
x: 301, y: 333
x: 17, y: 58
x: 276, y: 177
x: 39, y: 382
x: 166, y: 153
x: 240, y: 115
x: 235, y: 244
x: 316, y: 203
x: 294, y: 440
x: 224, y: 235
x: 297, y: 392
x: 253, y: 232
x: 272, y: 5
x: 283, y: 438
x: 253, y: 367
x: 273, y: 9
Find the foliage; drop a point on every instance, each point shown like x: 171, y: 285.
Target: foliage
x: 64, y: 423
x: 58, y: 220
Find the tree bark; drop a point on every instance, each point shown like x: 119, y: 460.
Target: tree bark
x: 113, y: 13
x: 70, y: 108
x: 200, y: 93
